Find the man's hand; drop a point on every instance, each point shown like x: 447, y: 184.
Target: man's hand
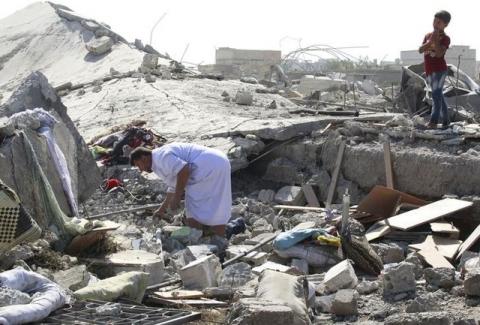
x: 160, y: 212
x: 175, y: 203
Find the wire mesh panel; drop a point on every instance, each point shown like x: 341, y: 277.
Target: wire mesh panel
x: 125, y: 314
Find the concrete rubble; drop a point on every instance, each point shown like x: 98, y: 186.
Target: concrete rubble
x: 332, y: 183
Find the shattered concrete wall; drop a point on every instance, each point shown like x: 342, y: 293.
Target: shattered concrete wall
x: 34, y: 92
x: 420, y: 171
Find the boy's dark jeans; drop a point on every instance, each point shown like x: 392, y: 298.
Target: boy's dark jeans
x: 436, y: 81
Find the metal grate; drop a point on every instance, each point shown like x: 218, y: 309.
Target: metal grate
x: 85, y: 313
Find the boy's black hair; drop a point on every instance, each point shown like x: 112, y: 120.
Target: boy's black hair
x: 139, y: 153
x: 444, y: 16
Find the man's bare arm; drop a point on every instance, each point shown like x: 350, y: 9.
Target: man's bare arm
x: 182, y: 180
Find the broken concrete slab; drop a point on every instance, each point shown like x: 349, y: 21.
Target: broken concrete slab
x: 399, y: 279
x: 257, y: 311
x: 266, y: 196
x: 283, y: 170
x: 471, y: 284
x: 345, y: 302
x: 389, y: 253
x: 323, y: 304
x: 198, y: 251
x: 440, y: 277
x: 235, y: 275
x: 100, y: 45
x: 73, y: 279
x: 131, y: 260
x: 340, y: 276
x: 201, y: 273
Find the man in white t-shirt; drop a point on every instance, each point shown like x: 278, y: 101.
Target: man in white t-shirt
x: 202, y: 173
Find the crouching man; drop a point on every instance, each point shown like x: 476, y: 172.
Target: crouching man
x: 203, y: 174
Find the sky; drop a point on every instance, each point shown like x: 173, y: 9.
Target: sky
x: 379, y: 28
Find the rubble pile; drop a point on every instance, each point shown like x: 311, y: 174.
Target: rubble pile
x: 345, y: 207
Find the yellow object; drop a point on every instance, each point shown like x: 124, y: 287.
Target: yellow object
x: 328, y: 240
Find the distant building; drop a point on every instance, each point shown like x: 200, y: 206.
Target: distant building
x: 236, y: 63
x: 468, y: 59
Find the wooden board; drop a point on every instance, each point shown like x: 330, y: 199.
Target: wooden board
x: 179, y: 294
x: 427, y: 213
x: 472, y: 239
x: 447, y: 247
x: 189, y: 302
x: 299, y: 208
x: 377, y: 230
x: 387, y: 157
x: 445, y: 228
x: 336, y: 172
x: 435, y: 259
x: 309, y: 193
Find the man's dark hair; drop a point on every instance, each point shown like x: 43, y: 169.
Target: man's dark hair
x: 139, y: 153
x: 444, y: 16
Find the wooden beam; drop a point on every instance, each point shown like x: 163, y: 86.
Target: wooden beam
x: 336, y: 172
x: 387, y: 157
x: 310, y: 196
x: 444, y: 227
x: 472, y: 239
x: 377, y: 230
x: 179, y: 294
x: 298, y: 208
x: 435, y: 259
x: 427, y: 213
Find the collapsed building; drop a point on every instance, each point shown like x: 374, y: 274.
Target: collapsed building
x: 352, y: 212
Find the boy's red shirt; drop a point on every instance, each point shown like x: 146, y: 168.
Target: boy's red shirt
x: 432, y: 63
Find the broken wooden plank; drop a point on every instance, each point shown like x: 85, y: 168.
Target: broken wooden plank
x: 447, y: 247
x: 179, y: 294
x: 427, y: 213
x: 310, y: 196
x: 188, y: 302
x: 336, y: 172
x: 387, y: 157
x: 445, y: 228
x: 472, y: 239
x: 377, y: 230
x: 434, y: 258
x: 298, y: 208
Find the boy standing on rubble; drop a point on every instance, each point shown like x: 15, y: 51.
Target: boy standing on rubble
x: 202, y: 173
x: 434, y: 47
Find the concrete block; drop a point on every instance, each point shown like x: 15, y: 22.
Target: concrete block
x: 340, y: 276
x: 99, y: 45
x: 244, y: 97
x: 132, y: 260
x: 389, y: 253
x: 271, y: 266
x: 399, y: 279
x: 472, y: 283
x: 290, y: 195
x: 249, y: 311
x: 201, y: 273
x: 74, y: 278
x: 323, y: 304
x: 345, y: 302
x: 235, y: 275
x: 198, y: 251
x: 440, y: 277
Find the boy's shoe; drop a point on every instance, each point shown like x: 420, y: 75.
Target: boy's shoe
x: 431, y: 125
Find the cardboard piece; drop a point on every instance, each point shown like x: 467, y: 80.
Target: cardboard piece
x: 382, y: 202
